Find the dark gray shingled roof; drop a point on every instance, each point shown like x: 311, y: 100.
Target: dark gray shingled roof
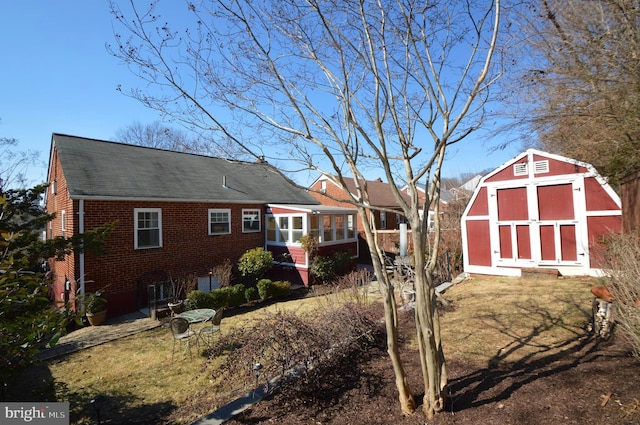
x: 96, y: 169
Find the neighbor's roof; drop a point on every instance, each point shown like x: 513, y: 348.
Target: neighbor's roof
x: 380, y: 193
x: 96, y: 169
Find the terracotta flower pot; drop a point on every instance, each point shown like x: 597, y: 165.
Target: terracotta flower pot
x: 98, y: 318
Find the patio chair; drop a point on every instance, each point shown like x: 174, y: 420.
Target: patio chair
x: 181, y: 332
x: 207, y: 332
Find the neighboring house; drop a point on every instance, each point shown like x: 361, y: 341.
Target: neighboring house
x: 387, y: 222
x: 380, y: 196
x: 539, y: 210
x: 177, y: 214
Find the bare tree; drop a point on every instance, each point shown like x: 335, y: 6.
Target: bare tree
x: 14, y: 164
x: 158, y: 135
x: 333, y: 87
x: 578, y: 91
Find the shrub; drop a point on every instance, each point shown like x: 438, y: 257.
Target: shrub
x: 323, y: 269
x: 255, y: 263
x: 197, y: 299
x: 622, y: 267
x: 236, y: 295
x: 315, y: 341
x: 342, y: 262
x: 228, y: 297
x: 251, y: 294
x: 269, y: 289
x: 219, y: 298
x: 264, y: 286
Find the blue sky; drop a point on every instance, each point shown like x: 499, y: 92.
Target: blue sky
x: 57, y: 77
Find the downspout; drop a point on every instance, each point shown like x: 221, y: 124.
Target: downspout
x: 81, y: 231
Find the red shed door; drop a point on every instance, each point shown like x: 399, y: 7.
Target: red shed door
x: 536, y: 225
x: 514, y: 227
x: 558, y: 229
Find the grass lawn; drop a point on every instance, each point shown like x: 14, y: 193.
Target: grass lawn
x: 492, y: 319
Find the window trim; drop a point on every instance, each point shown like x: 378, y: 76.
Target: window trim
x: 219, y: 210
x: 136, y: 212
x: 245, y: 212
x: 63, y: 223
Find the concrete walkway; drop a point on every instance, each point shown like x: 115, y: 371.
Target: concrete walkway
x: 89, y: 336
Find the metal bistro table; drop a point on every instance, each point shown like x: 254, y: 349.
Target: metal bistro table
x: 198, y: 315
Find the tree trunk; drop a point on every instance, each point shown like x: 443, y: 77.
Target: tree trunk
x: 429, y: 341
x: 407, y: 401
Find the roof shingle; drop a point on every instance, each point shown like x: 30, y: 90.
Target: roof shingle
x: 110, y: 170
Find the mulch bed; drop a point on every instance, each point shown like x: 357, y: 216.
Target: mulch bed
x: 589, y: 384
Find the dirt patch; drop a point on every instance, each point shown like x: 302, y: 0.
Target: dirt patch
x: 584, y: 383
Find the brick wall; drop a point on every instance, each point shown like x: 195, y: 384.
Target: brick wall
x: 187, y: 246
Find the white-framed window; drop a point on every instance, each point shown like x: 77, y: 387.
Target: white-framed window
x: 338, y: 222
x: 148, y: 228
x: 250, y: 221
x: 314, y: 227
x: 327, y: 228
x: 219, y: 221
x: 383, y: 220
x: 285, y: 228
x: 63, y: 223
x: 351, y: 226
x: 297, y: 228
x: 272, y: 236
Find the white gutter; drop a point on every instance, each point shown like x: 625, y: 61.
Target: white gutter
x: 81, y: 231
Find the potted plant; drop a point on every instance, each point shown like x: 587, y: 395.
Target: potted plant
x: 180, y: 288
x: 96, y: 308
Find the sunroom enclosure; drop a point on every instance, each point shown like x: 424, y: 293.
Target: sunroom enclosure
x: 334, y: 228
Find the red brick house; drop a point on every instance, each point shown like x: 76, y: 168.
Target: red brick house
x: 539, y: 210
x: 176, y: 213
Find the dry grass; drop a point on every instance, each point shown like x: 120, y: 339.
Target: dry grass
x: 503, y: 319
x: 137, y: 373
x: 493, y: 320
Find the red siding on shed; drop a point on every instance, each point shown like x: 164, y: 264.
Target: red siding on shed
x: 600, y: 227
x: 480, y: 204
x: 558, y: 168
x: 479, y: 242
x: 555, y: 202
x: 507, y: 173
x: 597, y: 198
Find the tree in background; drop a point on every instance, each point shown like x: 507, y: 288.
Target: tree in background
x: 332, y: 87
x: 160, y: 136
x: 14, y: 164
x: 578, y: 90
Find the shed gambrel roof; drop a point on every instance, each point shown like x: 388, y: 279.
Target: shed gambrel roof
x: 96, y: 169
